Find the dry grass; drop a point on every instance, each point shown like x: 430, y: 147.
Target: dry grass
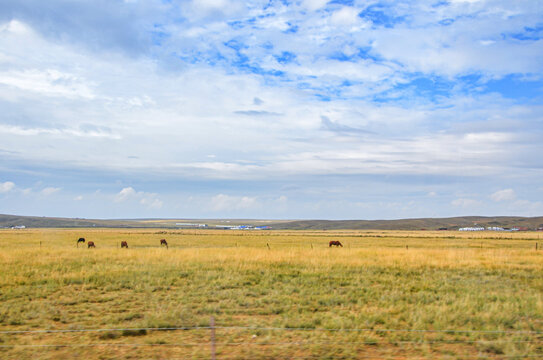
x: 379, y: 280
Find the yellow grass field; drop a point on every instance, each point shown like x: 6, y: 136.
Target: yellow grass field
x: 272, y: 294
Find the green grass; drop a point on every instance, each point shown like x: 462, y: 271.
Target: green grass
x: 443, y: 281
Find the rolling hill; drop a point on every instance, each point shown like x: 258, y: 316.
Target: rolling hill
x: 452, y: 223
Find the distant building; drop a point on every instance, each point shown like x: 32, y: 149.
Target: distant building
x: 242, y: 227
x: 191, y: 225
x: 474, y: 228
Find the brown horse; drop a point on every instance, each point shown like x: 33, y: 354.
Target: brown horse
x: 334, y: 243
x: 90, y: 244
x: 124, y: 244
x: 80, y: 240
x: 163, y: 242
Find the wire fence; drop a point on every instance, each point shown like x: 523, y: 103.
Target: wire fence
x: 534, y: 337
x: 276, y: 343
x: 207, y: 327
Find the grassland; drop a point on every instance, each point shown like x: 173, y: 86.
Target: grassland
x: 488, y: 283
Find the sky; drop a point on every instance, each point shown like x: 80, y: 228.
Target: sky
x: 279, y: 109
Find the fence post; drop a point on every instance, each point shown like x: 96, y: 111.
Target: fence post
x: 536, y: 246
x: 212, y: 327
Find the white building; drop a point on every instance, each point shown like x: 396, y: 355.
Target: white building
x: 474, y: 228
x: 191, y: 225
x: 495, y: 228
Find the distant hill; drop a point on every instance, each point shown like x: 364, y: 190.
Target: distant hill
x: 452, y: 223
x: 40, y: 222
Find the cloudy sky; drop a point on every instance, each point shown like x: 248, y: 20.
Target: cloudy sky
x: 341, y: 109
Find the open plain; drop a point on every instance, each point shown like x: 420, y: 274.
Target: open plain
x: 272, y: 294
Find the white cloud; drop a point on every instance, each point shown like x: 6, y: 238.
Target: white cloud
x: 465, y: 1
x: 78, y: 198
x: 50, y: 191
x: 465, y: 203
x: 125, y: 194
x: 504, y: 195
x: 346, y: 16
x: 149, y: 200
x: 454, y: 50
x: 34, y: 131
x: 210, y: 4
x: 313, y: 5
x: 6, y: 186
x: 487, y: 42
x: 214, y: 8
x: 49, y: 82
x: 222, y: 202
x: 528, y: 208
x: 15, y: 27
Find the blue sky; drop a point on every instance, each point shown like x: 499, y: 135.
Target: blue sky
x: 339, y: 109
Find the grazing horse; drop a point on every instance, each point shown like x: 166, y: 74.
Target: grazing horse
x: 334, y: 243
x: 124, y: 244
x: 80, y: 240
x: 90, y: 244
x: 163, y: 242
